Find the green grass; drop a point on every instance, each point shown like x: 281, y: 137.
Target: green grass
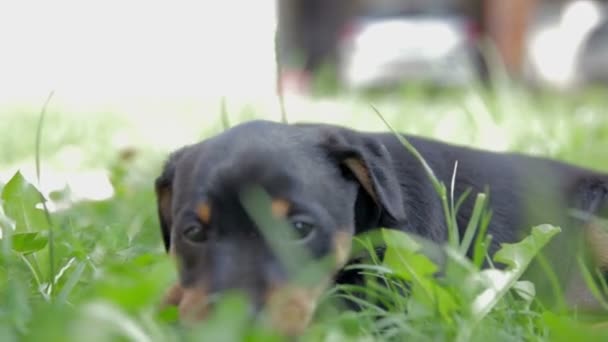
x: 108, y: 269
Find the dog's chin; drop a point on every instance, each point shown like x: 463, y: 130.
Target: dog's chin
x: 290, y: 308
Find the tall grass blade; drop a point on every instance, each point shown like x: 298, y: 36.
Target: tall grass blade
x: 224, y: 114
x: 474, y: 223
x: 51, y: 276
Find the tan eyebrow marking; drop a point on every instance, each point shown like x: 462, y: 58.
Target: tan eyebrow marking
x: 280, y: 208
x: 203, y: 210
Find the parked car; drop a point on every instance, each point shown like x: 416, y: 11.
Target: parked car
x: 567, y: 45
x: 383, y: 49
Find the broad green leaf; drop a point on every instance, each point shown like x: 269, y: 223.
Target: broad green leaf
x: 409, y: 266
x: 112, y: 322
x: 517, y: 256
x: 462, y: 275
x: 19, y: 199
x: 525, y: 289
x: 19, y: 189
x: 5, y: 221
x: 430, y: 297
x: 7, y: 226
x: 133, y: 287
x: 17, y: 302
x: 563, y: 328
x: 168, y: 314
x: 27, y: 243
x: 403, y: 258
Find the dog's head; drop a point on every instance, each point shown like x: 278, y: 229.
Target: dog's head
x: 327, y: 183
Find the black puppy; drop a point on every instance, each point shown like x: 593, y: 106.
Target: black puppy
x: 332, y: 183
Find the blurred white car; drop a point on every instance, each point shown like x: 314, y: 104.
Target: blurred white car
x: 593, y: 62
x: 382, y: 50
x: 567, y: 45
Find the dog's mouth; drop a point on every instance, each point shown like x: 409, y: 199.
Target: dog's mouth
x: 288, y: 309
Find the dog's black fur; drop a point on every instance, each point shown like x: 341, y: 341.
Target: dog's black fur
x: 341, y: 180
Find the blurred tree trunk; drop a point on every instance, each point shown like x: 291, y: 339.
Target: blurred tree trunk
x: 506, y: 23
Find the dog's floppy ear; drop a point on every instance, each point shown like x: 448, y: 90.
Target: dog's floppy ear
x: 164, y: 197
x: 380, y: 202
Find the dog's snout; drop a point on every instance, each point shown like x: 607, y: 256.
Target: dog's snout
x: 192, y: 303
x: 230, y: 266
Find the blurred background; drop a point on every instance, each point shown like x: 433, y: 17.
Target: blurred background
x: 551, y: 43
x: 154, y: 75
x: 124, y: 82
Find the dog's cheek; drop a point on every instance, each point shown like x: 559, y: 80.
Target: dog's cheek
x: 342, y: 244
x: 173, y: 296
x: 597, y: 241
x: 191, y: 263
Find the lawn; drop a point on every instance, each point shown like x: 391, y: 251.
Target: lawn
x: 96, y: 270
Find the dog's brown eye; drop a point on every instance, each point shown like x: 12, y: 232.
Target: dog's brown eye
x: 195, y: 233
x: 304, y: 230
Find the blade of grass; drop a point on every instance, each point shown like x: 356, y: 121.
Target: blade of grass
x: 473, y: 225
x: 483, y: 241
x: 117, y: 319
x: 257, y: 204
x: 463, y: 197
x: 602, y: 280
x: 39, y: 133
x: 363, y: 303
x: 375, y: 293
x: 47, y: 215
x: 454, y: 223
x: 71, y: 282
x: 437, y: 184
x: 278, y: 233
x: 591, y: 284
x: 224, y: 114
x: 393, y: 326
x: 411, y: 149
x: 33, y: 271
x: 279, y: 78
x: 553, y: 281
